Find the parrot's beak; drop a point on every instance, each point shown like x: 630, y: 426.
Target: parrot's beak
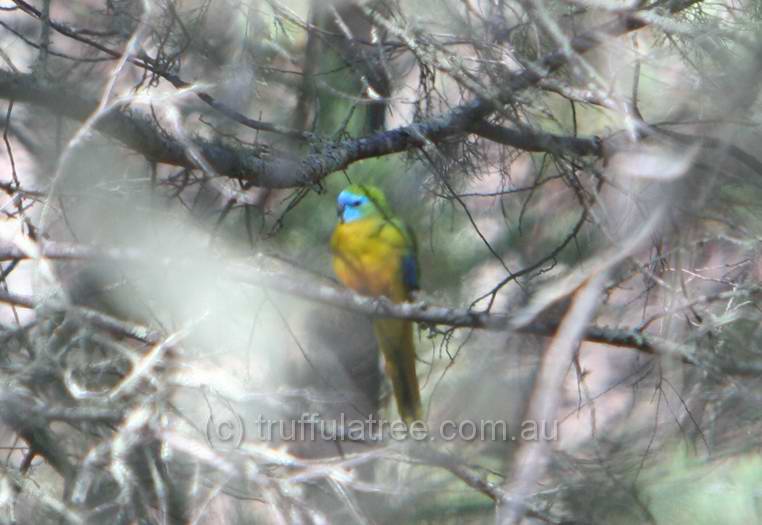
x: 340, y: 212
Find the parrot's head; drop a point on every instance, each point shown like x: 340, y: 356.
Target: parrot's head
x: 360, y: 201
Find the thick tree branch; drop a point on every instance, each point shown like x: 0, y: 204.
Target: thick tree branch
x: 530, y: 140
x: 137, y: 130
x: 133, y: 127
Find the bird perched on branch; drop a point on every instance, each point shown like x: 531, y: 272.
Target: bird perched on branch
x: 374, y: 253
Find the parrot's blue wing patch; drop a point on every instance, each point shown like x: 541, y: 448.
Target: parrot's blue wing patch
x: 410, y: 272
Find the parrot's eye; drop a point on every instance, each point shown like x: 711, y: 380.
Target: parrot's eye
x: 356, y: 202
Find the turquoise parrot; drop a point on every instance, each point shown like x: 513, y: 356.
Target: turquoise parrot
x: 374, y: 253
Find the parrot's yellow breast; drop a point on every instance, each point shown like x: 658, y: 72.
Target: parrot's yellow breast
x: 367, y: 257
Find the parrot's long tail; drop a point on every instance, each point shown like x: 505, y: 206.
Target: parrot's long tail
x: 395, y: 340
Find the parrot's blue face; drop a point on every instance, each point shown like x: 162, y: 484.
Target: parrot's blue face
x: 353, y: 206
